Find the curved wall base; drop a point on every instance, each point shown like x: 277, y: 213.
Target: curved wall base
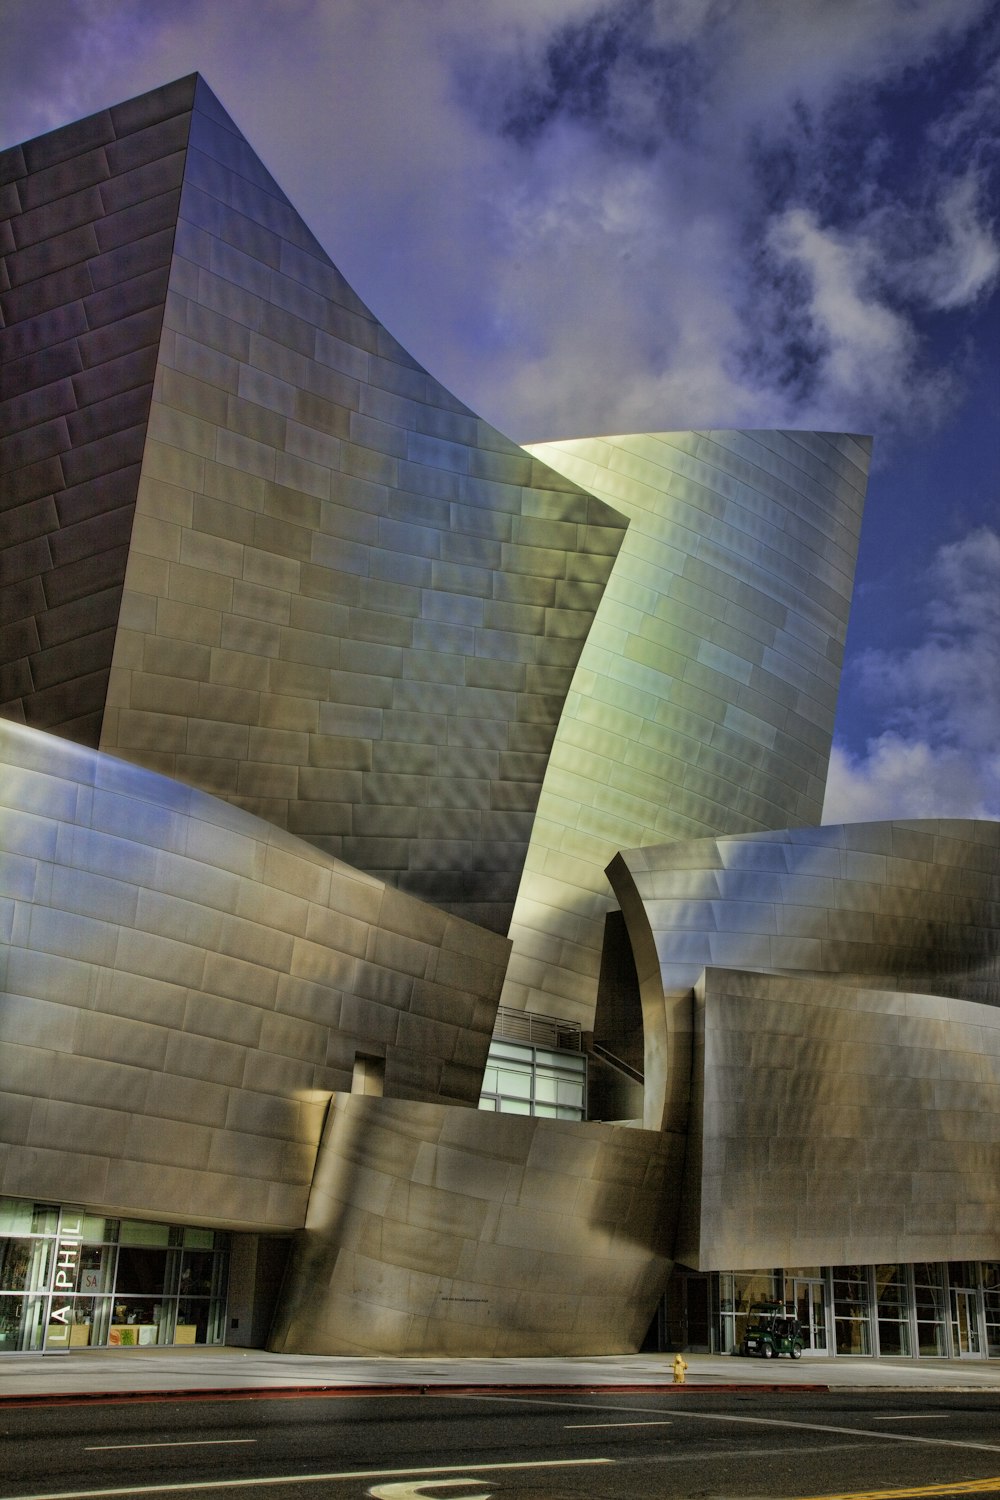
x: 442, y: 1230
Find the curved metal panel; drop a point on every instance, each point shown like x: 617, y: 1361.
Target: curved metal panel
x: 705, y: 694
x: 350, y: 606
x: 183, y: 986
x: 437, y: 1230
x: 910, y: 905
x: 836, y: 1125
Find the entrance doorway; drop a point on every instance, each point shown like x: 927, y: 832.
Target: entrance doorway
x: 697, y: 1312
x: 684, y: 1313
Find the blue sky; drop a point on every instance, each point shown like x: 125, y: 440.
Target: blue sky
x: 659, y: 214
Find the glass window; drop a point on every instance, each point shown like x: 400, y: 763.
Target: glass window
x: 19, y: 1217
x: 11, y: 1312
x: 570, y: 1093
x: 24, y: 1264
x: 991, y: 1306
x: 851, y: 1310
x: 100, y: 1229
x: 738, y: 1291
x: 524, y: 1079
x: 512, y: 1051
x: 137, y: 1232
x: 929, y: 1307
x: 21, y: 1325
x: 142, y: 1320
x: 515, y: 1084
x: 197, y: 1273
x: 44, y: 1219
x: 87, y: 1321
x: 143, y: 1271
x: 97, y: 1268
x: 853, y: 1336
x: 893, y: 1338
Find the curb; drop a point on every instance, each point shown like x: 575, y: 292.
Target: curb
x: 284, y: 1393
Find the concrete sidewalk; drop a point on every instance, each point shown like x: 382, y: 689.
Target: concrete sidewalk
x: 137, y: 1371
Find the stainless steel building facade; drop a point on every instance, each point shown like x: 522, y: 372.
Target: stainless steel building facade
x: 334, y: 727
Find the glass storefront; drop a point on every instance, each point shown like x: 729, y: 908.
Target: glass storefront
x: 890, y: 1311
x: 69, y: 1280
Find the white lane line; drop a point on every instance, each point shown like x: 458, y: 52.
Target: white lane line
x: 916, y: 1416
x: 578, y: 1426
x: 193, y: 1487
x: 887, y: 1437
x: 179, y: 1443
x: 703, y: 1416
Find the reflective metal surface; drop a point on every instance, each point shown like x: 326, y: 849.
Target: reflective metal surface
x: 821, y: 1010
x: 350, y: 606
x: 435, y: 1230
x: 184, y: 986
x: 705, y: 694
x: 86, y: 225
x: 833, y: 1124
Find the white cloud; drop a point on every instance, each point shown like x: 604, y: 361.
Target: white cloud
x: 940, y: 754
x: 864, y: 353
x: 947, y: 687
x: 781, y: 51
x: 910, y: 779
x: 600, y: 276
x: 965, y: 263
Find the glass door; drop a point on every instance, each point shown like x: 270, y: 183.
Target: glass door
x: 810, y: 1309
x: 965, y: 1322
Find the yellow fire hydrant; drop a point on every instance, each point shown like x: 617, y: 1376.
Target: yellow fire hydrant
x: 680, y: 1366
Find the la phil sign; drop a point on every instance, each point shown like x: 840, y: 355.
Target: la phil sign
x: 65, y: 1275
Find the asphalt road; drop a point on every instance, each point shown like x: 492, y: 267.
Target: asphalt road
x: 558, y: 1446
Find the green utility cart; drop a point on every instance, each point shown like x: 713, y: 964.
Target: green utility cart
x: 772, y: 1330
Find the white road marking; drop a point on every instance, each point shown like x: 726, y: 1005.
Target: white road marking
x: 179, y: 1443
x: 192, y: 1487
x: 577, y: 1426
x: 916, y: 1416
x: 682, y: 1412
